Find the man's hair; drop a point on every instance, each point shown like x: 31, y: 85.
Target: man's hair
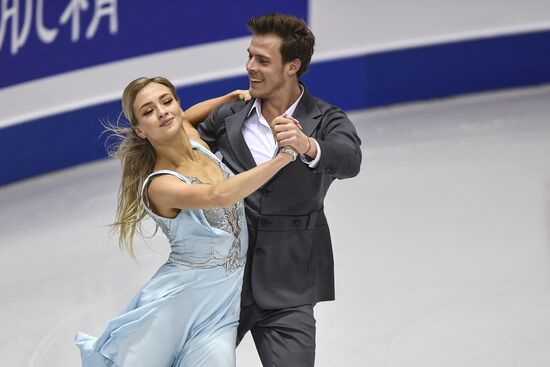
x: 297, y: 39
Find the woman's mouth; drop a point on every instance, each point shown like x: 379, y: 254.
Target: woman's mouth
x: 166, y: 122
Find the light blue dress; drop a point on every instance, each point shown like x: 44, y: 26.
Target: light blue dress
x: 187, y: 314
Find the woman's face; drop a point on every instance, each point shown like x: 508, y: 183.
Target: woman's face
x: 159, y: 115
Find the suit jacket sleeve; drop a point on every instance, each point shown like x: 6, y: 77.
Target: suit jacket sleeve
x: 340, y: 145
x: 209, y: 129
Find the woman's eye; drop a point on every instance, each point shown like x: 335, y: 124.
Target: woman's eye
x: 168, y: 101
x: 147, y: 112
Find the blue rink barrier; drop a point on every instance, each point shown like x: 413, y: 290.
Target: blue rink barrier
x: 363, y: 81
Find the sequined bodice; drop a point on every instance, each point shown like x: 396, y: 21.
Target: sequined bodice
x: 226, y: 219
x: 204, y: 237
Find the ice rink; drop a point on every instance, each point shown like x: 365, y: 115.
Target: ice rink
x: 442, y: 245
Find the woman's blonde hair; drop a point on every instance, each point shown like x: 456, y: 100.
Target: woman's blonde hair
x: 137, y: 157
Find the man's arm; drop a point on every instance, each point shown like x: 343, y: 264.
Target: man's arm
x: 340, y: 145
x: 334, y: 149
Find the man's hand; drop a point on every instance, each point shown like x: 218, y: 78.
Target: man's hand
x: 288, y: 132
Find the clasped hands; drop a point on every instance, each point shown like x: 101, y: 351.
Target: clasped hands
x: 288, y: 133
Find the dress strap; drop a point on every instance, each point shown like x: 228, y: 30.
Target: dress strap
x: 198, y: 146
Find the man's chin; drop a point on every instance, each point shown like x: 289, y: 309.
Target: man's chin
x: 254, y: 93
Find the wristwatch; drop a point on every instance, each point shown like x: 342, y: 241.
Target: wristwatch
x: 289, y: 151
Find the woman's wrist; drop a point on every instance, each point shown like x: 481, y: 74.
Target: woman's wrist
x: 283, y: 158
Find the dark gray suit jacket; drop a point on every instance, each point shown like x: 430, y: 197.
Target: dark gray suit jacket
x: 290, y: 261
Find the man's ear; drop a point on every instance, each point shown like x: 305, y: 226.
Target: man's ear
x: 140, y: 132
x: 294, y: 66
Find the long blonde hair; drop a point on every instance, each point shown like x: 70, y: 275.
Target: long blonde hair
x: 137, y: 157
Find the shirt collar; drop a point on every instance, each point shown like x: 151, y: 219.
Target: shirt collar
x: 257, y: 106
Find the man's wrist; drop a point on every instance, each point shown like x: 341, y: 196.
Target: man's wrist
x: 315, y: 151
x: 308, y: 146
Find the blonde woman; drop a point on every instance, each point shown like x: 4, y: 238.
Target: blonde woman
x: 187, y: 314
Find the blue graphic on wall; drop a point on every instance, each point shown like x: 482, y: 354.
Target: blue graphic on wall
x: 39, y: 38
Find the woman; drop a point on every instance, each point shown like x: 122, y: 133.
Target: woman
x: 187, y: 314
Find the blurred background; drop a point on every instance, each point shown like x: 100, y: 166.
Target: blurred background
x: 441, y: 243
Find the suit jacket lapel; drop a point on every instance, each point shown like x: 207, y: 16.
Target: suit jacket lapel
x: 308, y: 113
x: 233, y: 125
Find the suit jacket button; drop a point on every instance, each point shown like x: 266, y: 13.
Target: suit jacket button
x: 296, y: 223
x: 264, y: 222
x: 259, y: 251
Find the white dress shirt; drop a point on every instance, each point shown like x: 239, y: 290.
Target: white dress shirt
x: 259, y: 137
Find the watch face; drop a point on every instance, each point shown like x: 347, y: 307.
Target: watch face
x: 290, y: 151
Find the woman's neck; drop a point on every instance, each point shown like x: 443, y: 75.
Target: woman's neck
x: 175, y: 153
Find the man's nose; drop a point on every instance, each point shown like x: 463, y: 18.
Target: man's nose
x: 250, y: 64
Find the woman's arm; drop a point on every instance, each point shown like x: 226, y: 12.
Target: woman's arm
x: 168, y: 192
x: 198, y: 112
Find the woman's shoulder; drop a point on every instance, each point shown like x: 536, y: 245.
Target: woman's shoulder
x: 194, y: 136
x: 163, y: 172
x: 157, y: 179
x: 200, y: 144
x: 157, y: 182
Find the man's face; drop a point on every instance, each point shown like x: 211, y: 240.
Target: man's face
x: 266, y: 72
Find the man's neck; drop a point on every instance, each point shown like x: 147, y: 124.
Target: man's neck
x: 277, y: 105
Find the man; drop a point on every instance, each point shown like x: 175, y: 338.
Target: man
x: 290, y: 264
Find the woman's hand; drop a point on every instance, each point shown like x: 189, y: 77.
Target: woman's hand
x: 241, y: 95
x: 197, y: 113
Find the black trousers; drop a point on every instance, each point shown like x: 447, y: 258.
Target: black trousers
x: 283, y: 338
